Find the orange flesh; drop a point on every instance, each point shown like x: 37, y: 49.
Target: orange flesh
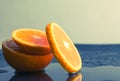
x: 41, y: 41
x: 65, y: 47
x: 13, y: 46
x: 33, y: 37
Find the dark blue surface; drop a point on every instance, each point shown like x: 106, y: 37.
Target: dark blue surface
x: 100, y: 55
x: 100, y: 63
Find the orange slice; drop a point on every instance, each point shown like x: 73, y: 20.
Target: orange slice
x: 31, y: 41
x: 24, y: 62
x: 63, y: 48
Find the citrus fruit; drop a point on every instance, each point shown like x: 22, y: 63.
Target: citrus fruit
x: 31, y: 41
x: 22, y: 61
x: 63, y: 48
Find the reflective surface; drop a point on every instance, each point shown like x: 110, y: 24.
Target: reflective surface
x: 54, y: 72
x: 100, y: 63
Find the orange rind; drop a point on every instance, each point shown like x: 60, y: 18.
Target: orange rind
x: 24, y: 62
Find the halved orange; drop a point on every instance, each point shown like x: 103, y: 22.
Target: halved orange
x: 63, y: 48
x: 31, y: 41
x: 24, y: 62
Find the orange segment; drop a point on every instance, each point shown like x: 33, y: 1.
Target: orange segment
x: 31, y: 41
x: 63, y: 48
x: 21, y: 61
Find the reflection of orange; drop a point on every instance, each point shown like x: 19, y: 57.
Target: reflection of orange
x: 31, y: 41
x: 77, y: 77
x: 41, y: 76
x: 22, y: 61
x: 63, y: 48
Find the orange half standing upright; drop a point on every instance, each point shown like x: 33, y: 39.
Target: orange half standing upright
x: 63, y: 48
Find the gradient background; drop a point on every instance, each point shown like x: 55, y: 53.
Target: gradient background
x: 85, y: 21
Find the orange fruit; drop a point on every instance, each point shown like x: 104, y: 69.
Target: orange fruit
x: 23, y: 61
x: 63, y: 48
x: 32, y: 41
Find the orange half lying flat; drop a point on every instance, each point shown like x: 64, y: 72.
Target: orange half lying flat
x: 63, y: 48
x: 24, y: 62
x: 32, y: 41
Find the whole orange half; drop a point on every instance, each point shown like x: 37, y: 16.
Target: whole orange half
x: 24, y: 62
x: 63, y: 48
x: 32, y: 41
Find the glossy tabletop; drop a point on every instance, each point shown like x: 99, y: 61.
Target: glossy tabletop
x: 100, y: 63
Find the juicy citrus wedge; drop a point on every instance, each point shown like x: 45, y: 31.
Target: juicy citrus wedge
x: 31, y: 40
x: 63, y: 48
x: 24, y: 62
